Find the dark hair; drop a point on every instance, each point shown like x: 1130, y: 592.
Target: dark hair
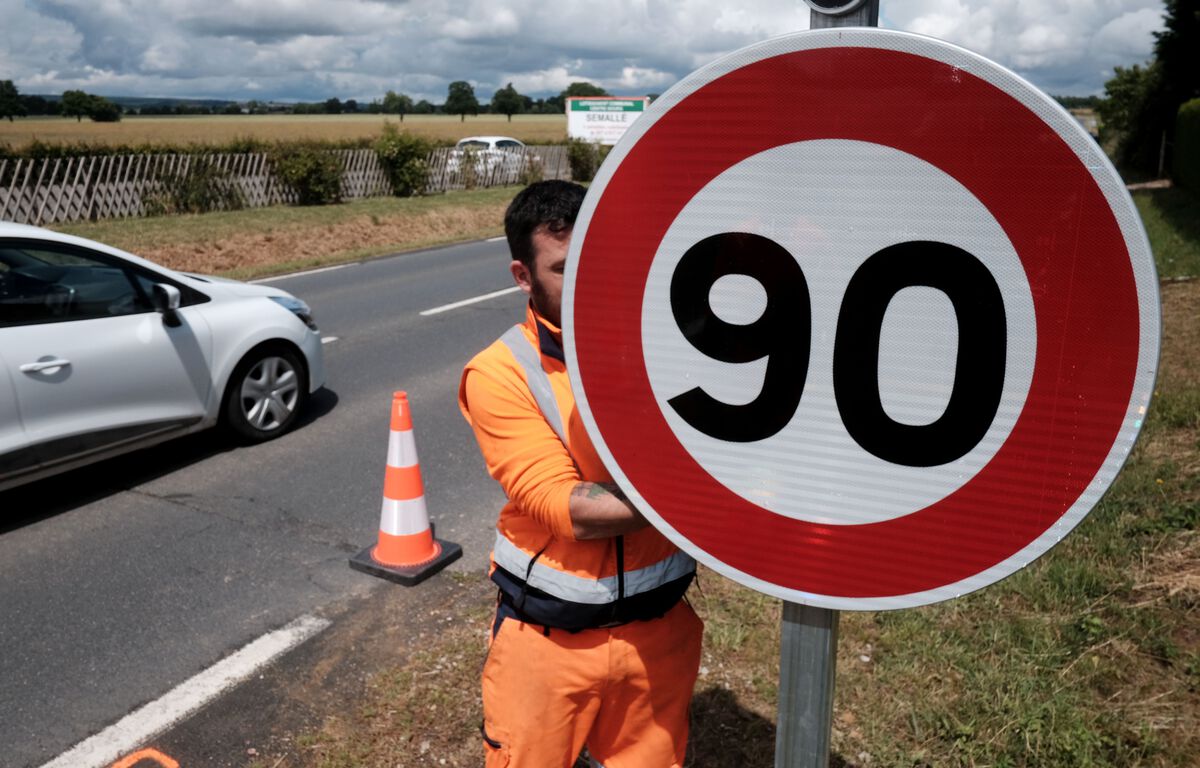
x: 554, y: 203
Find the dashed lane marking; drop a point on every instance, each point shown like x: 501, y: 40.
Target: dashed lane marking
x: 465, y: 302
x: 301, y: 274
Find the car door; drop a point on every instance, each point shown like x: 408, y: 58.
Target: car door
x: 91, y: 361
x: 13, y: 455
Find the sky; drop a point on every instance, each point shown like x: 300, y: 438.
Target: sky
x: 312, y: 50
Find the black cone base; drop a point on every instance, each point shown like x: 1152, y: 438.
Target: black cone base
x: 409, y: 575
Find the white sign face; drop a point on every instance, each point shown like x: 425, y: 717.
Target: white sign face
x: 880, y: 337
x: 602, y: 119
x: 919, y: 335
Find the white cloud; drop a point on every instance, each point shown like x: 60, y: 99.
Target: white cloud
x: 1062, y: 46
x: 314, y: 49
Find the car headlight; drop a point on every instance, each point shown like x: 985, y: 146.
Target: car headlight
x: 297, y: 308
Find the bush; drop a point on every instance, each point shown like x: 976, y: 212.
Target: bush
x: 1186, y: 165
x: 310, y: 170
x: 585, y: 159
x: 533, y: 171
x: 403, y: 158
x: 199, y: 188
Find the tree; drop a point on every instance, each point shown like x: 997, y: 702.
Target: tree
x: 507, y: 101
x: 10, y: 101
x: 583, y: 89
x: 559, y: 103
x: 460, y: 99
x: 350, y: 106
x: 101, y: 110
x: 423, y: 107
x: 333, y: 106
x: 397, y: 104
x: 36, y: 105
x: 76, y: 104
x: 1141, y: 102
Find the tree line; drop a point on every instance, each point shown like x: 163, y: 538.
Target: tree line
x: 1138, y: 113
x: 460, y: 100
x: 76, y: 104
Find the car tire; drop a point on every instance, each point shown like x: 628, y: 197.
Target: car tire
x: 266, y: 391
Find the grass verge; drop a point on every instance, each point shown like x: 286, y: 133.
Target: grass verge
x: 264, y: 241
x: 1173, y: 227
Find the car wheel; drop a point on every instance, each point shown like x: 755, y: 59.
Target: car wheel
x: 266, y: 391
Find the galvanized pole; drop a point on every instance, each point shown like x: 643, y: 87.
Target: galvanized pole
x: 807, y: 666
x: 808, y: 636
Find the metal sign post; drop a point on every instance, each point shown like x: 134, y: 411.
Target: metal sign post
x: 808, y: 635
x: 807, y: 667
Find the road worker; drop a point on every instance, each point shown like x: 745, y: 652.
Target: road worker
x: 591, y: 643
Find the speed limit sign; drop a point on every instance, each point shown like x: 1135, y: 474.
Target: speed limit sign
x: 860, y: 319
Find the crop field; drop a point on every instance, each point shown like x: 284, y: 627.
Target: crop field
x: 222, y: 129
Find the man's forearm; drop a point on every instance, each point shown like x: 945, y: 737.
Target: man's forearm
x: 600, y: 510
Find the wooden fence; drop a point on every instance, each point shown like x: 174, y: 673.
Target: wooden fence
x: 48, y: 191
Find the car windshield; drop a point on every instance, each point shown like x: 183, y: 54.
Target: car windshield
x: 466, y: 144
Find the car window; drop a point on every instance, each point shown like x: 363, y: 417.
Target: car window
x: 472, y: 144
x: 50, y: 282
x: 509, y: 144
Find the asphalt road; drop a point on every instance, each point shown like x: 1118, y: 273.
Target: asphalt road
x: 121, y: 580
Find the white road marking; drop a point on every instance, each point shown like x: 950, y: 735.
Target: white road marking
x: 465, y: 302
x: 329, y: 339
x: 495, y: 239
x: 301, y: 274
x: 135, y: 729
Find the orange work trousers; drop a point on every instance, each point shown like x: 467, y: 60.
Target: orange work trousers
x: 623, y: 691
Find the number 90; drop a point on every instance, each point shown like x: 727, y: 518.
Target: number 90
x: 783, y: 334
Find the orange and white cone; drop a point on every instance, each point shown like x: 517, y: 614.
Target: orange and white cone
x: 407, y: 552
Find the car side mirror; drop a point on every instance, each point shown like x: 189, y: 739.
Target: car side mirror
x: 166, y: 301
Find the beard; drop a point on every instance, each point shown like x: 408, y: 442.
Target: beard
x: 549, y: 307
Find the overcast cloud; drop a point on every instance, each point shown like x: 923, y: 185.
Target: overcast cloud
x: 311, y: 50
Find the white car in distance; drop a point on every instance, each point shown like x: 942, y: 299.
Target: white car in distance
x: 491, y: 154
x: 102, y: 352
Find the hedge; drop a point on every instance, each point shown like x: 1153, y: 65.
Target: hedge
x: 1186, y: 165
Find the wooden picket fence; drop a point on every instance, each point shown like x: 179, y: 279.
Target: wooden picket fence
x: 55, y: 190
x: 449, y: 172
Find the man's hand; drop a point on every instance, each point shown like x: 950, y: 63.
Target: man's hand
x: 600, y: 510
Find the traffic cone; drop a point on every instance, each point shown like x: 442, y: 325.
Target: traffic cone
x: 407, y: 552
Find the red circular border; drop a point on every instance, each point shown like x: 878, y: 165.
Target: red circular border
x: 1048, y: 204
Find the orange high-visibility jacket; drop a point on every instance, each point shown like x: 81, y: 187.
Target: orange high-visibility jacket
x: 517, y: 397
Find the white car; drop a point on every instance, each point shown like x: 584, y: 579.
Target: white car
x: 102, y: 352
x: 490, y: 153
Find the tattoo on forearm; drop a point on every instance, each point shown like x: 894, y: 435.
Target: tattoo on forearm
x: 596, y: 490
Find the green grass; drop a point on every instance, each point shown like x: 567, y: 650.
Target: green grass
x: 1173, y: 226
x: 253, y: 243
x: 146, y: 234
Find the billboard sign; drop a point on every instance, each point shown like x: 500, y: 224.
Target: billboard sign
x: 602, y: 119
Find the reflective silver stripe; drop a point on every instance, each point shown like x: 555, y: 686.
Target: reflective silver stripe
x: 580, y: 589
x: 403, y: 517
x: 539, y: 383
